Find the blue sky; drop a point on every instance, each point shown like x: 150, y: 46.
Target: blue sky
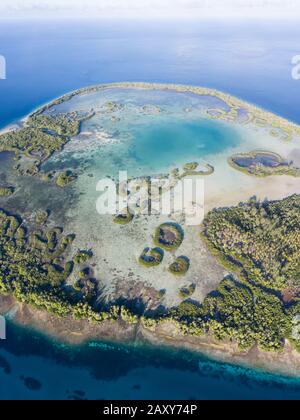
x: 157, y: 8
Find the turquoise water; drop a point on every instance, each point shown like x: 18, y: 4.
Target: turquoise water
x: 144, y: 142
x: 164, y: 144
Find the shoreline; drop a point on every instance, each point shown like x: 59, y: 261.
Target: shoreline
x: 71, y: 332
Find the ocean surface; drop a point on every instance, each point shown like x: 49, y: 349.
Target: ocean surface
x: 251, y: 60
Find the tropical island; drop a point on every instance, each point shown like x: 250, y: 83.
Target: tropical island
x: 229, y: 287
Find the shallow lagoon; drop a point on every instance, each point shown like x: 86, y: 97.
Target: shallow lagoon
x: 147, y: 132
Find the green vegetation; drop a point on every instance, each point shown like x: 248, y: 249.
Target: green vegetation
x: 190, y: 169
x: 41, y: 217
x: 162, y: 293
x: 169, y: 236
x: 259, y: 243
x: 180, y: 266
x: 27, y: 259
x: 65, y: 178
x: 259, y: 240
x: 6, y: 191
x: 29, y: 272
x: 236, y: 312
x: 187, y: 292
x: 82, y: 257
x: 31, y: 142
x: 41, y: 136
x: 151, y: 257
x: 87, y: 287
x: 123, y: 218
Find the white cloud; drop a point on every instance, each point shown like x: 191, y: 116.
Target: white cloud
x: 159, y: 8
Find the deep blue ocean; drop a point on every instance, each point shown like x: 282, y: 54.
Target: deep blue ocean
x: 251, y: 60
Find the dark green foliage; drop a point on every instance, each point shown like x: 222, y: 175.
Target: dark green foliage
x: 32, y: 142
x: 261, y: 243
x: 234, y: 313
x: 41, y: 136
x: 63, y: 125
x: 6, y: 191
x: 65, y: 178
x: 41, y: 217
x: 29, y: 271
x: 28, y: 260
x: 82, y: 257
x: 169, y: 236
x: 180, y: 266
x: 186, y: 292
x: 260, y: 239
x: 87, y: 288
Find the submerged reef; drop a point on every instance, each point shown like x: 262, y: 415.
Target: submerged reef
x: 262, y: 164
